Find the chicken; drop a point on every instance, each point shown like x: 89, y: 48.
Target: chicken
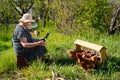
x: 87, y: 53
x: 72, y: 53
x: 86, y: 63
x: 86, y: 58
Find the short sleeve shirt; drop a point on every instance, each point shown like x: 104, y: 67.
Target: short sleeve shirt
x: 20, y: 32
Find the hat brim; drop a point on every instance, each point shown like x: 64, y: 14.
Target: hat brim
x: 27, y: 20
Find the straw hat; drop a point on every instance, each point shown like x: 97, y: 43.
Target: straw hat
x: 27, y: 18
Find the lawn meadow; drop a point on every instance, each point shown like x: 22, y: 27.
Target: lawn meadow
x: 57, y: 44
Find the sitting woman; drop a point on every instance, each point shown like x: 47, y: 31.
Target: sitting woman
x: 24, y: 45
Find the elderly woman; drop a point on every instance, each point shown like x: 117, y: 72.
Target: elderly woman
x: 24, y: 45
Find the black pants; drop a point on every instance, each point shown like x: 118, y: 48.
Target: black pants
x: 32, y: 53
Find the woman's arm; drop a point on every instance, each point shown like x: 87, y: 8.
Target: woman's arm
x: 26, y: 44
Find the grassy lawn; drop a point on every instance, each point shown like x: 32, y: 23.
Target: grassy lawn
x: 57, y: 45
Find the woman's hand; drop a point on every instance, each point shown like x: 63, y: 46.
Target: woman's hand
x: 42, y: 43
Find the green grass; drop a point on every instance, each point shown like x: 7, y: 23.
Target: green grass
x: 57, y: 45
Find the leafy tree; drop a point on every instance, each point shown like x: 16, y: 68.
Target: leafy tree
x: 67, y: 14
x: 94, y: 13
x: 41, y: 11
x: 63, y: 13
x: 7, y: 13
x: 22, y: 6
x: 12, y: 10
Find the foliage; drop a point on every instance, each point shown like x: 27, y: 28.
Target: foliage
x: 64, y: 13
x: 7, y: 13
x: 12, y: 10
x: 95, y: 13
x: 41, y: 12
x: 89, y: 13
x: 68, y: 15
x: 22, y: 6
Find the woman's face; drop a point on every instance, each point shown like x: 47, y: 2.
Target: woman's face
x: 27, y: 24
